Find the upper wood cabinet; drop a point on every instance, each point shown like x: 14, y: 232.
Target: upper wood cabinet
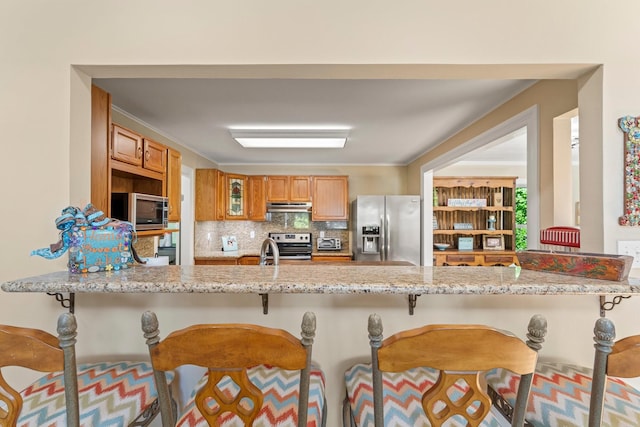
x: 236, y: 190
x: 277, y: 188
x: 300, y: 188
x: 125, y: 161
x: 155, y: 156
x: 131, y: 148
x: 330, y: 198
x: 174, y: 181
x: 256, y: 198
x: 210, y: 195
x: 284, y: 188
x: 100, y: 143
x: 225, y: 196
x: 126, y: 146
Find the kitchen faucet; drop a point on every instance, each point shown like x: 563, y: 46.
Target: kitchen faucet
x: 274, y: 250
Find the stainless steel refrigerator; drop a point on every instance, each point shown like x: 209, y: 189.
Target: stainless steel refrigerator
x: 387, y: 228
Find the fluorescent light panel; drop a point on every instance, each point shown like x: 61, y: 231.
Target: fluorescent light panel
x: 290, y: 138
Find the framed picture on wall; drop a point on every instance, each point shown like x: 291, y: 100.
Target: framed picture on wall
x: 493, y: 242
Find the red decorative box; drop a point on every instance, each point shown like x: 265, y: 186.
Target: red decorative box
x: 594, y: 266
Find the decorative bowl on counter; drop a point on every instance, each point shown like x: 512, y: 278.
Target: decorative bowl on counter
x: 441, y: 246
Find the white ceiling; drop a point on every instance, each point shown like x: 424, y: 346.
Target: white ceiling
x: 392, y: 122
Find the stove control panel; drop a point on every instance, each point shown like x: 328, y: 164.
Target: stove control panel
x: 291, y: 237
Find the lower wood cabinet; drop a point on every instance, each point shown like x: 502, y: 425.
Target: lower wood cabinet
x: 219, y: 261
x: 249, y: 260
x: 331, y: 258
x: 243, y: 260
x: 475, y: 258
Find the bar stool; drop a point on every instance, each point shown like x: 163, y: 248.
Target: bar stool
x: 436, y: 373
x: 257, y: 376
x: 576, y: 396
x: 106, y: 393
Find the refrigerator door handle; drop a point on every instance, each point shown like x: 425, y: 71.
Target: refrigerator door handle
x: 387, y: 238
x: 383, y: 240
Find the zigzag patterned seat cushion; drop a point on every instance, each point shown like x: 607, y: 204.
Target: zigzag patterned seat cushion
x: 560, y: 396
x: 402, y: 398
x: 280, y: 403
x: 110, y: 394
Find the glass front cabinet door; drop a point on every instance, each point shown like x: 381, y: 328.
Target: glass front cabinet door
x: 236, y: 196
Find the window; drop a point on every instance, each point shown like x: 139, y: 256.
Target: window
x: 521, y: 218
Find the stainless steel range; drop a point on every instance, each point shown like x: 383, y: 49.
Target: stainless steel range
x: 293, y: 245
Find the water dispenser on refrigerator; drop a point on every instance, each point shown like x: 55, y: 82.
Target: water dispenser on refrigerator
x: 371, y: 239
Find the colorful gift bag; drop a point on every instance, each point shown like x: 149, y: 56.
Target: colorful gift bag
x: 94, y: 242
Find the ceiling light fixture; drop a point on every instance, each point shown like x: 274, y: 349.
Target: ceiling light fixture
x: 290, y: 138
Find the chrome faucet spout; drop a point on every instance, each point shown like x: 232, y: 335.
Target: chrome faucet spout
x: 274, y: 250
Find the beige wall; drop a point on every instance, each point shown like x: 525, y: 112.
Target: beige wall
x: 554, y: 98
x: 45, y: 84
x: 467, y: 169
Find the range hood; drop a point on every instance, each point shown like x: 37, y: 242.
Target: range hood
x: 295, y: 207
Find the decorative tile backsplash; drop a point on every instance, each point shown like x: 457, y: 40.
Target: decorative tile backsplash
x: 208, y: 234
x: 144, y: 246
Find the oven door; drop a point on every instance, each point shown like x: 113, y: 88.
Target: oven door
x: 293, y: 251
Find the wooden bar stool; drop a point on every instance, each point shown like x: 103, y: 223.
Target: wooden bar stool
x: 435, y: 374
x: 576, y: 396
x: 97, y: 394
x: 257, y: 376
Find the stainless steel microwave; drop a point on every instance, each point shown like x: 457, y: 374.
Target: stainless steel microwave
x: 144, y: 211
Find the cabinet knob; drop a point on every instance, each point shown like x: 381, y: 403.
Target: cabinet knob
x: 147, y: 155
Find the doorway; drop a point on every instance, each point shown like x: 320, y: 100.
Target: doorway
x: 187, y: 217
x: 524, y: 124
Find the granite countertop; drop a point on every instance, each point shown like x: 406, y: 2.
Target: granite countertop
x: 349, y: 278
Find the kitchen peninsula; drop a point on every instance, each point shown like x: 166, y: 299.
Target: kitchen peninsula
x: 342, y: 296
x: 323, y: 279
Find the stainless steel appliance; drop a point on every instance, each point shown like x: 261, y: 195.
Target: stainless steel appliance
x: 144, y: 211
x: 295, y: 246
x: 329, y: 244
x: 387, y: 228
x: 289, y: 207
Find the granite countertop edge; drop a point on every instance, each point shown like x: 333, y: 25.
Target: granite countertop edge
x: 323, y: 279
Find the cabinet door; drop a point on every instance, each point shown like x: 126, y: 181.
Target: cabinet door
x: 126, y: 146
x: 231, y: 261
x: 278, y: 188
x: 331, y: 258
x: 100, y: 143
x: 210, y: 195
x: 155, y: 156
x: 256, y: 200
x: 174, y: 181
x: 330, y: 198
x: 220, y: 189
x: 249, y: 260
x: 300, y: 188
x: 236, y: 197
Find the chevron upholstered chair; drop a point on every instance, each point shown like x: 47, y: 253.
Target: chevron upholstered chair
x: 256, y: 376
x: 576, y: 396
x: 435, y: 374
x: 92, y: 395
